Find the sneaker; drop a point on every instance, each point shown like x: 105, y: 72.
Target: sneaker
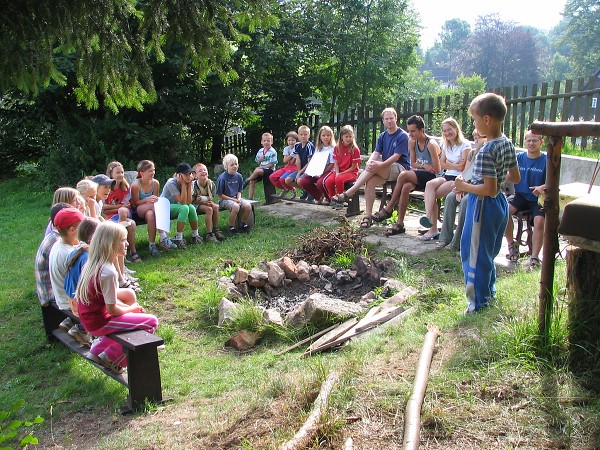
x: 246, y: 183
x: 210, y: 237
x: 233, y: 230
x: 80, y: 335
x: 195, y: 240
x: 180, y: 243
x: 153, y: 250
x: 304, y: 195
x: 293, y: 193
x: 470, y: 309
x: 245, y: 228
x: 105, y: 361
x: 128, y: 271
x: 220, y: 236
x: 167, y: 244
x: 66, y: 324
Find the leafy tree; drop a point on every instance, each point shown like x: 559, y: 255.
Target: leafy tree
x: 452, y: 36
x: 581, y: 35
x: 501, y: 52
x: 115, y: 41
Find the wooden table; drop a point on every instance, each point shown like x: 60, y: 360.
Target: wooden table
x: 570, y: 191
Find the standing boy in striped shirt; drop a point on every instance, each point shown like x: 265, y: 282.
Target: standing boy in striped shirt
x: 487, y: 210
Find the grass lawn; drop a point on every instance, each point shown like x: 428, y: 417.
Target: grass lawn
x: 489, y: 388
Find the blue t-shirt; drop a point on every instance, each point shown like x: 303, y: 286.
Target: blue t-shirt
x: 397, y: 142
x: 230, y: 185
x: 533, y: 173
x: 74, y: 272
x: 304, y: 152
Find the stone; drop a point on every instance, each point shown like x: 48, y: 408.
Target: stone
x: 240, y: 275
x: 275, y: 274
x: 319, y: 309
x: 303, y: 271
x: 231, y: 290
x: 314, y: 268
x: 388, y: 264
x: 244, y: 339
x: 270, y: 291
x: 262, y: 265
x: 288, y: 267
x: 368, y: 271
x: 391, y: 286
x: 258, y: 278
x: 242, y: 288
x: 325, y: 271
x: 343, y: 277
x: 271, y: 315
x: 369, y: 296
x: 226, y: 311
x: 287, y: 281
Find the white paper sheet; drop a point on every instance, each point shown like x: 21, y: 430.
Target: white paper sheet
x: 162, y: 211
x: 316, y: 166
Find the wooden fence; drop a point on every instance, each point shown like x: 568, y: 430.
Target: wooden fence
x: 564, y: 101
x: 550, y: 102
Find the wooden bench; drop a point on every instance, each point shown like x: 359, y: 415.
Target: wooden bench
x: 142, y: 377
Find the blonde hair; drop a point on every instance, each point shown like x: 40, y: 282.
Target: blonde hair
x: 124, y: 185
x: 347, y: 129
x: 103, y: 250
x: 389, y: 110
x: 83, y: 186
x: 319, y: 142
x: 303, y: 128
x: 64, y: 195
x: 460, y: 137
x: 229, y: 159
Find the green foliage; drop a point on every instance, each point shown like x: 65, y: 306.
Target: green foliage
x: 246, y: 317
x: 582, y: 18
x: 116, y: 42
x: 343, y: 260
x: 11, y: 429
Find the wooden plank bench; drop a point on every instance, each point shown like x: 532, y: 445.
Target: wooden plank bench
x: 142, y: 377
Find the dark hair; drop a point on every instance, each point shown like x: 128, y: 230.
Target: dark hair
x: 56, y: 208
x: 416, y: 120
x: 489, y: 104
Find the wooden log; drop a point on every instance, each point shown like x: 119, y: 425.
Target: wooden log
x: 332, y: 335
x: 572, y: 129
x: 412, y: 415
x: 583, y: 272
x: 308, y: 431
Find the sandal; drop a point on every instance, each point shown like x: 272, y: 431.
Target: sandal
x: 341, y: 198
x: 381, y: 215
x: 513, y: 252
x: 135, y: 257
x: 366, y: 222
x: 396, y: 229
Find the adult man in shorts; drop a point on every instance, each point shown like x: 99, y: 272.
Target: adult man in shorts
x: 389, y: 158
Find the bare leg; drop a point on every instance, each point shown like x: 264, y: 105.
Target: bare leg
x: 405, y: 191
x: 372, y: 183
x: 233, y: 212
x: 147, y: 212
x: 538, y: 236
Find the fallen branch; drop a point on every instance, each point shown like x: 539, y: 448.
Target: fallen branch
x: 412, y: 415
x: 308, y: 339
x: 311, y: 426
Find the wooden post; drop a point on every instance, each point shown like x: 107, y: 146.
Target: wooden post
x: 556, y: 131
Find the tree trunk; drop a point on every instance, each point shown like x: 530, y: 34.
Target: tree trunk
x: 583, y: 272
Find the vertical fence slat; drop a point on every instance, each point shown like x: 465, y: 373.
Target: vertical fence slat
x: 554, y: 102
x: 542, y: 110
x: 566, y: 113
x: 522, y: 123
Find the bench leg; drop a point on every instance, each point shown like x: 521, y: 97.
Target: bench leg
x: 270, y: 191
x: 52, y: 317
x: 143, y: 374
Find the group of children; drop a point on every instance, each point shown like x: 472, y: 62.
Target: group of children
x: 320, y: 178
x: 80, y: 262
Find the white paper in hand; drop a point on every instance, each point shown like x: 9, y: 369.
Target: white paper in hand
x: 316, y: 166
x: 162, y: 211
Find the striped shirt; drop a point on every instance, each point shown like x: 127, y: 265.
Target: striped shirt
x: 494, y: 160
x: 270, y: 157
